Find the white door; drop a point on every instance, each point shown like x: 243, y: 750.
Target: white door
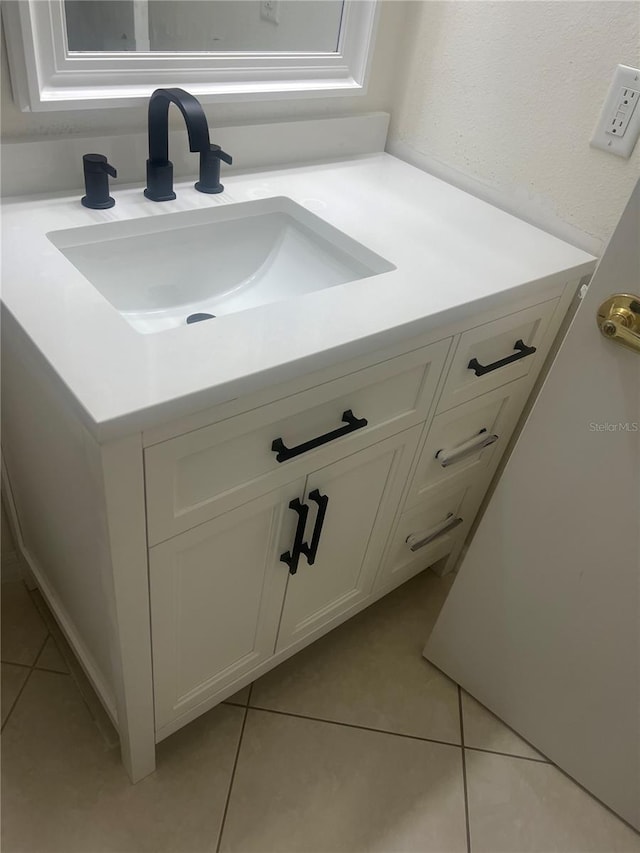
x: 216, y: 597
x: 543, y: 622
x: 352, y: 507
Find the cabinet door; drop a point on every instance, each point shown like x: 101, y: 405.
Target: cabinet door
x: 216, y: 597
x: 362, y: 494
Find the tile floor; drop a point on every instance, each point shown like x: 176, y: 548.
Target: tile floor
x: 356, y: 744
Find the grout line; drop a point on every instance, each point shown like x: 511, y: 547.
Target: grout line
x: 353, y: 726
x: 54, y: 671
x: 389, y: 732
x: 509, y: 755
x: 464, y: 771
x: 15, y: 701
x: 233, y: 772
x: 44, y: 643
x: 14, y: 663
x: 20, y: 692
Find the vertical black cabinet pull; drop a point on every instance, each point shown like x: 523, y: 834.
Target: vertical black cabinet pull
x: 521, y: 351
x: 310, y: 551
x: 291, y: 557
x: 285, y: 453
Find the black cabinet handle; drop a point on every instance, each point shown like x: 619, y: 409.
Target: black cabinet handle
x: 522, y: 351
x: 310, y: 551
x: 285, y: 453
x: 291, y: 557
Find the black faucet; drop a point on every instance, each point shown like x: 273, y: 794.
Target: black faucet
x: 159, y: 167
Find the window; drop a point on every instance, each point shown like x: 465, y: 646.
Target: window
x: 47, y: 75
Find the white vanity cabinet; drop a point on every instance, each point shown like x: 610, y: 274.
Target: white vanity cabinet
x: 215, y: 546
x: 155, y: 481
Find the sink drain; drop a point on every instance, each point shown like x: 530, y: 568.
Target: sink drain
x: 195, y: 318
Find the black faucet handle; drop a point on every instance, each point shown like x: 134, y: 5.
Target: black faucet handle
x: 210, y: 169
x: 221, y: 154
x: 98, y: 163
x: 96, y: 169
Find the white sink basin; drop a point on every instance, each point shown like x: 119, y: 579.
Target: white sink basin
x: 159, y: 270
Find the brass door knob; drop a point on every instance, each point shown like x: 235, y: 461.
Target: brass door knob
x: 618, y: 319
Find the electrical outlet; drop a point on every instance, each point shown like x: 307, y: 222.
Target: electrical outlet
x: 270, y: 11
x: 619, y: 123
x: 625, y: 105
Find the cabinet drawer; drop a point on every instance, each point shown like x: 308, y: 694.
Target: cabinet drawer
x: 428, y: 532
x: 197, y: 476
x: 466, y: 440
x: 495, y: 353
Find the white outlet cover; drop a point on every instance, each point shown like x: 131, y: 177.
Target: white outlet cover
x: 624, y: 77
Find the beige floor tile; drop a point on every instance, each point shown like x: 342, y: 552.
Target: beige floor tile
x: 531, y: 807
x: 241, y: 697
x: 23, y: 630
x: 64, y: 791
x: 50, y: 657
x: 13, y: 677
x: 370, y: 671
x: 484, y: 730
x: 302, y: 785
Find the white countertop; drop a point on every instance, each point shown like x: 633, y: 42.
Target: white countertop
x: 455, y: 256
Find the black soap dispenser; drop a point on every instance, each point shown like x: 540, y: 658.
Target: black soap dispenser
x: 96, y: 181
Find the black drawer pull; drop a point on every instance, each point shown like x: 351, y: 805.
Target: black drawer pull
x: 285, y: 453
x: 291, y: 557
x: 310, y: 551
x: 522, y: 351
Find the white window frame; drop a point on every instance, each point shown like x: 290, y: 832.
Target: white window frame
x: 46, y: 76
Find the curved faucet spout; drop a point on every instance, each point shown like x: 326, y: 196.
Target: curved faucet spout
x: 194, y: 117
x: 159, y: 167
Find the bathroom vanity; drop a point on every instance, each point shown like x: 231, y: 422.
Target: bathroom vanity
x: 199, y: 501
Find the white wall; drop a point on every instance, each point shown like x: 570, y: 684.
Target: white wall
x: 502, y: 98
x: 18, y: 125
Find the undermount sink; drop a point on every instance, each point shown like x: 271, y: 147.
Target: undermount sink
x: 157, y: 271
